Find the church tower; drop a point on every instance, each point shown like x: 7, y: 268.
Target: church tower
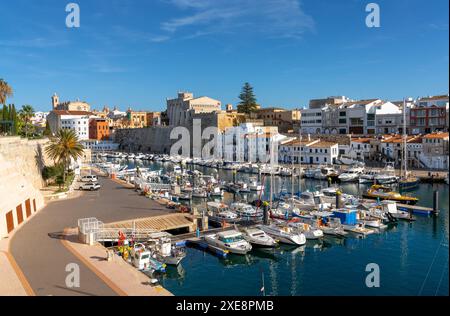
x: 55, y: 101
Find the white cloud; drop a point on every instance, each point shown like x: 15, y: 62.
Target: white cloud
x: 272, y: 18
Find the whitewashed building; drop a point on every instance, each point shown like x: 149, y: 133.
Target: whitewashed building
x: 311, y: 121
x: 77, y: 121
x: 309, y: 152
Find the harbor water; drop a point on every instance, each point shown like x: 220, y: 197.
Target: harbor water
x: 412, y: 257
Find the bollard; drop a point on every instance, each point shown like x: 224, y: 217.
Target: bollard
x: 436, y: 202
x: 338, y: 199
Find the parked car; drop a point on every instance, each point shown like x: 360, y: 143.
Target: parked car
x: 91, y: 186
x: 90, y: 178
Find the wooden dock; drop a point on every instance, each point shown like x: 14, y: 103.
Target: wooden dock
x: 416, y: 209
x: 157, y: 223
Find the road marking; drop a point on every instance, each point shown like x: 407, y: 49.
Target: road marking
x: 23, y: 280
x: 91, y: 267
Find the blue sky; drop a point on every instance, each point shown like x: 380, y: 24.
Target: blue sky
x: 137, y: 53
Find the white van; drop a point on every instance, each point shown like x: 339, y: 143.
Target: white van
x: 91, y: 178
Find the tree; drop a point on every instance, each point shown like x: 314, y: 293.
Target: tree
x: 13, y: 118
x: 25, y: 114
x: 248, y: 100
x: 47, y: 130
x: 5, y: 91
x: 64, y: 147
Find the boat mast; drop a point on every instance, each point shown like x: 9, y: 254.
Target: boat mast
x: 405, y: 158
x: 271, y: 172
x: 300, y: 161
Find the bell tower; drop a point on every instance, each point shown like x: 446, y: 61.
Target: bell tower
x: 55, y: 101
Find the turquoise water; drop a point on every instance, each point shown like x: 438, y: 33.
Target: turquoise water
x: 413, y: 259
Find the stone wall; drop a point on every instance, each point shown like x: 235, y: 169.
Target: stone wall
x: 21, y: 162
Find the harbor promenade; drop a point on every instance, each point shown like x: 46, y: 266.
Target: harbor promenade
x: 42, y: 253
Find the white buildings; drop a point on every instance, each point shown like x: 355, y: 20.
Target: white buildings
x: 39, y: 119
x: 77, y: 121
x: 309, y: 152
x: 311, y: 120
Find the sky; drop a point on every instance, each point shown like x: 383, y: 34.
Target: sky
x: 134, y: 53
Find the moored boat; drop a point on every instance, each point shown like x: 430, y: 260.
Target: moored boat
x: 232, y: 241
x: 379, y: 192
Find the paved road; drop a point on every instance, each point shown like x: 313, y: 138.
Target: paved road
x: 43, y: 258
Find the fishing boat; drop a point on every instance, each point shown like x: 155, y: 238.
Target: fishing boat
x: 164, y: 251
x: 380, y: 192
x: 306, y: 229
x: 284, y: 234
x: 368, y: 220
x: 351, y: 174
x: 390, y: 208
x: 259, y: 238
x: 329, y: 225
x: 141, y: 258
x: 232, y: 241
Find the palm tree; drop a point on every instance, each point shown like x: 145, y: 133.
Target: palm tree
x: 26, y: 113
x: 5, y: 91
x: 64, y: 147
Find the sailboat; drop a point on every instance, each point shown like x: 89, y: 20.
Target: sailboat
x: 407, y: 181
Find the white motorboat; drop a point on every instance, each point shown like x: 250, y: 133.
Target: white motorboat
x: 324, y: 173
x: 246, y: 211
x: 220, y: 214
x: 311, y: 172
x: 232, y: 241
x: 351, y: 174
x: 259, y: 238
x: 309, y: 201
x: 368, y: 176
x: 387, y: 176
x: 284, y: 234
x: 285, y: 172
x: 329, y: 196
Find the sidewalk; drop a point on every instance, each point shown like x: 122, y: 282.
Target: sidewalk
x: 120, y: 276
x: 12, y: 280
